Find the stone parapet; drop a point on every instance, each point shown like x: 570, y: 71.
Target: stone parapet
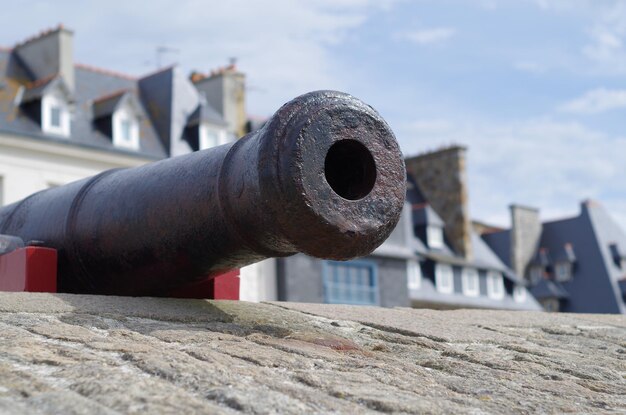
x: 90, y: 354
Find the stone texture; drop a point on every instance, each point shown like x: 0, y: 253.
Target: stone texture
x: 88, y: 354
x: 441, y: 176
x: 525, y: 235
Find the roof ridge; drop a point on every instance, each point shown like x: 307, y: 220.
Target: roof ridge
x: 438, y: 151
x: 158, y: 71
x: 42, y: 81
x: 110, y: 95
x: 41, y: 34
x: 105, y: 71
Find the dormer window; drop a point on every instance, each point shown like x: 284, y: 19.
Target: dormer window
x: 205, y: 128
x: 434, y: 236
x: 562, y: 271
x: 444, y: 278
x: 495, y: 285
x: 125, y: 130
x: 414, y: 275
x: 47, y: 101
x: 55, y: 115
x: 470, y: 282
x: 619, y: 259
x: 118, y: 116
x: 211, y: 136
x: 519, y: 294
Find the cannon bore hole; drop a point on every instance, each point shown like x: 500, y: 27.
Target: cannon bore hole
x: 350, y: 169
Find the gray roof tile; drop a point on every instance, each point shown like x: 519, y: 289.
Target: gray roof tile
x: 97, y: 93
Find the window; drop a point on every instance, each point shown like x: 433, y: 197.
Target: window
x: 536, y: 274
x: 208, y: 137
x: 414, y: 273
x: 470, y: 282
x: 519, y: 294
x: 444, y: 279
x: 125, y: 129
x: 434, y: 236
x: 55, y: 116
x: 495, y: 285
x: 352, y: 282
x: 563, y: 271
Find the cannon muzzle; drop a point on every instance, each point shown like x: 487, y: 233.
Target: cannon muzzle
x: 324, y: 176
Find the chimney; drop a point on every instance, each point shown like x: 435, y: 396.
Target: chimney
x: 225, y: 91
x: 525, y: 236
x: 48, y: 54
x: 441, y: 177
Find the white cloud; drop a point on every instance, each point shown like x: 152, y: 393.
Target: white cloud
x: 544, y: 163
x: 596, y: 101
x: 427, y: 36
x: 604, y: 24
x: 282, y: 45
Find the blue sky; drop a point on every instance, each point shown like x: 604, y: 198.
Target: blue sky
x: 535, y: 88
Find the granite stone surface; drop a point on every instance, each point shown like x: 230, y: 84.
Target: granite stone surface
x: 74, y: 354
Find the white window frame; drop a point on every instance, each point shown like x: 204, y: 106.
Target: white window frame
x: 470, y: 282
x: 123, y: 115
x: 50, y: 101
x: 562, y: 271
x: 444, y: 278
x: 211, y: 136
x: 434, y: 236
x: 519, y: 294
x: 495, y: 285
x: 414, y: 275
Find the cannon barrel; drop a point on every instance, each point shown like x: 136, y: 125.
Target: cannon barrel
x: 324, y: 176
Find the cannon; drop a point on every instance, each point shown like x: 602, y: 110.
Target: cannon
x: 324, y: 176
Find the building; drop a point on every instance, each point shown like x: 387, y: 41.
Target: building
x: 432, y: 259
x: 62, y: 121
x: 573, y: 265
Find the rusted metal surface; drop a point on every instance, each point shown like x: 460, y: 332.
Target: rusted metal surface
x: 324, y: 176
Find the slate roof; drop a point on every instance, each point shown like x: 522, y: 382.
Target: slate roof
x: 484, y: 259
x: 425, y: 215
x: 106, y: 105
x: 36, y: 90
x: 97, y: 93
x: 205, y: 113
x: 585, y: 241
x: 549, y: 289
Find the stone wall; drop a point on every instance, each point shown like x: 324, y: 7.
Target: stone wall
x: 442, y: 178
x: 74, y: 354
x: 525, y: 235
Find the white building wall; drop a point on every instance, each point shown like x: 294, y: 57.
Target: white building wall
x: 258, y: 281
x: 28, y: 165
